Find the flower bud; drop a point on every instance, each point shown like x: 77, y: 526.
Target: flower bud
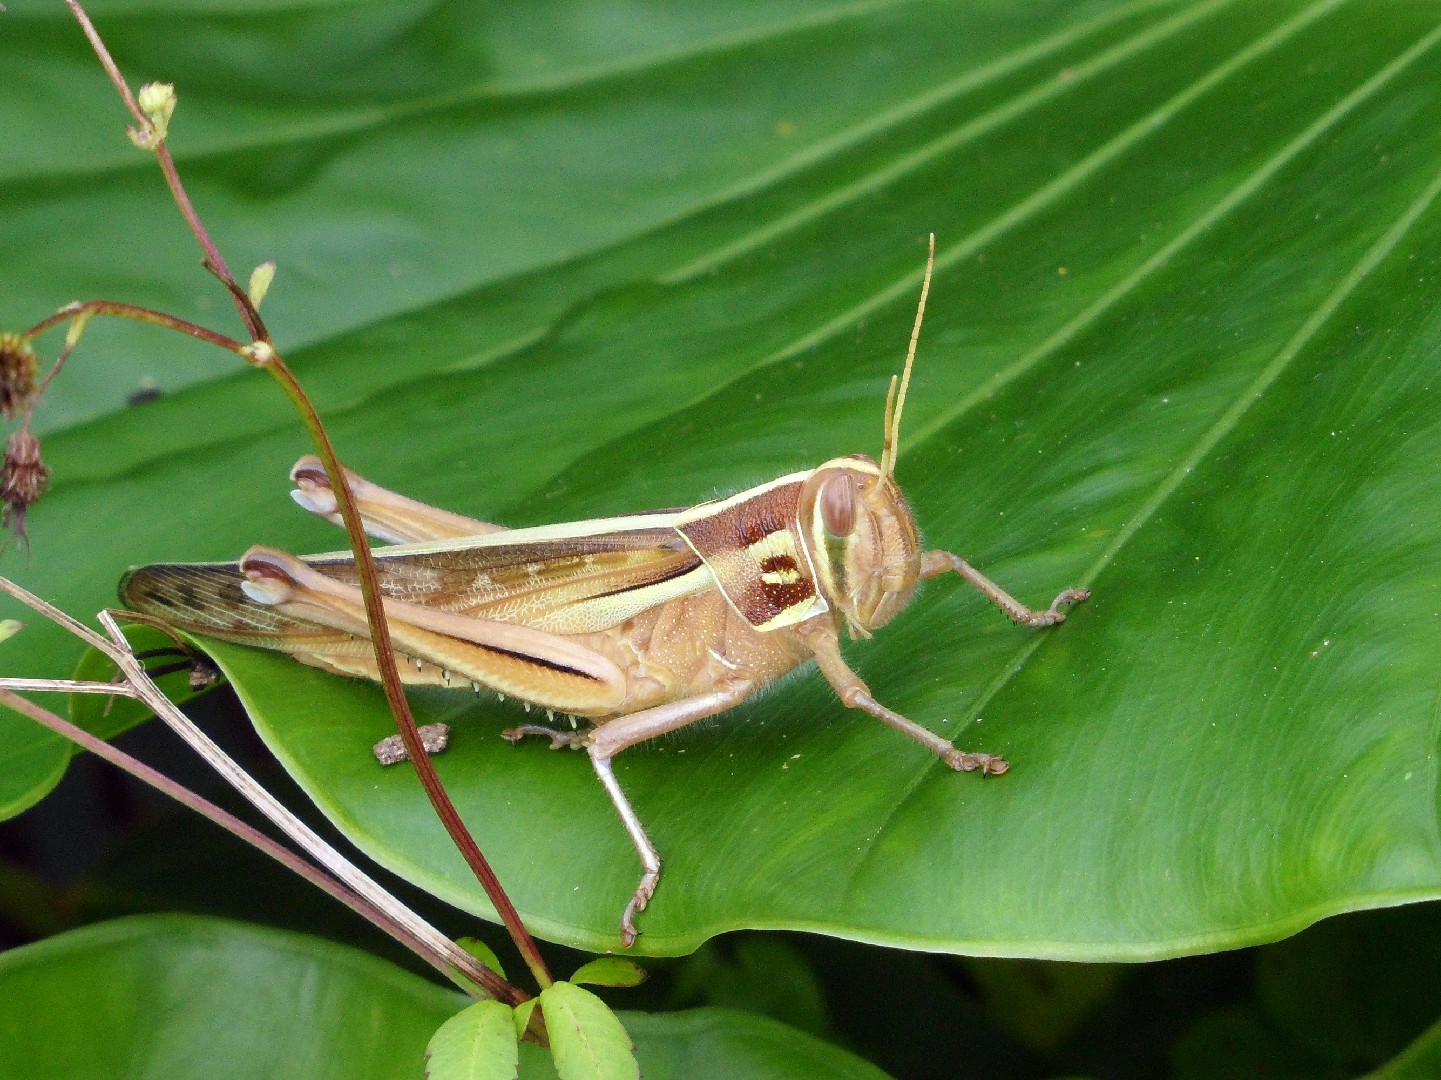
x: 157, y: 102
x: 17, y: 374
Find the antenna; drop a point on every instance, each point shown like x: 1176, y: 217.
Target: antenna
x: 893, y: 415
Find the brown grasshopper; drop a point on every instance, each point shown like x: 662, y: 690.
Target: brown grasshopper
x: 639, y: 624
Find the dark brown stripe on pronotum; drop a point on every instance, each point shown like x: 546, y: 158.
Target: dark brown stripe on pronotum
x: 759, y: 517
x: 745, y: 542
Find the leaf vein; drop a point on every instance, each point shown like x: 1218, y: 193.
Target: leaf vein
x: 1228, y: 421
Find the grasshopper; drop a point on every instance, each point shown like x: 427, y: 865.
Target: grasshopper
x: 639, y: 624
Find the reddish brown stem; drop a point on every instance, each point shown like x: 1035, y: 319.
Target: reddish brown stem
x: 390, y: 676
x: 247, y: 310
x: 49, y: 378
x: 139, y: 683
x: 262, y: 354
x: 247, y: 307
x: 106, y: 62
x: 135, y: 313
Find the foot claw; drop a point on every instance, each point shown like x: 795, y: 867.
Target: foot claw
x: 638, y: 903
x: 1053, y: 614
x: 628, y: 932
x: 985, y: 764
x: 557, y: 739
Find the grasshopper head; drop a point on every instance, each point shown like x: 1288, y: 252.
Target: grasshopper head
x: 862, y: 539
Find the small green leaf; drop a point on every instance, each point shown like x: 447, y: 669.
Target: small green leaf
x: 10, y: 627
x: 477, y: 1043
x: 482, y: 952
x: 610, y: 971
x: 521, y: 1016
x: 586, y: 1038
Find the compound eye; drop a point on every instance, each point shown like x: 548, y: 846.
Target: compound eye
x: 838, y: 504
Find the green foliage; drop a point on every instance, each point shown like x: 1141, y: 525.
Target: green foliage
x: 760, y: 974
x: 609, y: 971
x: 184, y: 997
x: 1337, y: 1001
x: 1422, y: 1059
x: 543, y: 264
x: 586, y: 1039
x: 477, y: 1043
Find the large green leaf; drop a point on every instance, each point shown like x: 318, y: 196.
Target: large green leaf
x: 185, y: 997
x: 439, y: 190
x: 1181, y: 347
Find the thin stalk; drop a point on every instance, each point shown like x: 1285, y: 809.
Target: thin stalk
x: 257, y: 795
x: 390, y: 675
x: 109, y: 64
x: 263, y: 354
x: 134, y: 313
x: 167, y: 165
x: 213, y: 258
x: 55, y: 615
x: 117, y: 649
x: 242, y: 299
x: 225, y: 820
x: 67, y: 686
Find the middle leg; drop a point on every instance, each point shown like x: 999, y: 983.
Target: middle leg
x: 610, y: 738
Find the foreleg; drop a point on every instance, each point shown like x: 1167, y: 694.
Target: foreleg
x: 936, y: 563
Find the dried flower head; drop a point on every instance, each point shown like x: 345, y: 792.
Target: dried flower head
x: 23, y: 479
x: 17, y: 374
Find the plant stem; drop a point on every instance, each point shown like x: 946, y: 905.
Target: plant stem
x: 135, y: 313
x: 67, y: 686
x: 225, y: 820
x: 106, y: 62
x: 263, y: 354
x: 390, y: 676
x: 117, y: 650
x: 167, y: 166
x: 253, y: 325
